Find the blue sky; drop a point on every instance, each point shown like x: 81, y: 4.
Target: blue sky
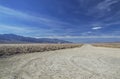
x: 61, y: 18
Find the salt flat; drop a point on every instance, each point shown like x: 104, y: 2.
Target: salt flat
x: 86, y: 62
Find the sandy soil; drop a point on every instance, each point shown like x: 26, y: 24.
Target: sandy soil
x: 87, y: 62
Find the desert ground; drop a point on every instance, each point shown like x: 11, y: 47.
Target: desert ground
x: 86, y: 62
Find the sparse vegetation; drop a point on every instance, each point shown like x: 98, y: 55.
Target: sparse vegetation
x: 11, y: 49
x: 111, y: 45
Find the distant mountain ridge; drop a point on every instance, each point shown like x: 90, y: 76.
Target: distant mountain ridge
x: 12, y: 38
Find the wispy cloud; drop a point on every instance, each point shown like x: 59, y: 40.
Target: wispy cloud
x: 52, y: 22
x: 12, y: 28
x: 102, y: 8
x: 23, y: 29
x: 96, y: 28
x: 105, y: 5
x: 113, y: 18
x: 86, y: 33
x: 49, y: 25
x: 72, y: 37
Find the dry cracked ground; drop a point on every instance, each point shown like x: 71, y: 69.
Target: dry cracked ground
x: 86, y: 62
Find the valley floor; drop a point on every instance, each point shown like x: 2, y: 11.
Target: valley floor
x: 86, y: 62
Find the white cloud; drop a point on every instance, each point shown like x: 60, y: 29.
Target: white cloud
x: 96, y: 28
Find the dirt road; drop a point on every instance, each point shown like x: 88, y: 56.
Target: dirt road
x: 87, y: 62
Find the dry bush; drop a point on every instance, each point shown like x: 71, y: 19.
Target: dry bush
x: 111, y: 45
x: 11, y: 49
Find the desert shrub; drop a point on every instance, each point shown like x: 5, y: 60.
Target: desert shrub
x: 11, y: 49
x: 111, y: 45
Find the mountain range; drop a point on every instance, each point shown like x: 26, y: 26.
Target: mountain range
x: 13, y: 38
